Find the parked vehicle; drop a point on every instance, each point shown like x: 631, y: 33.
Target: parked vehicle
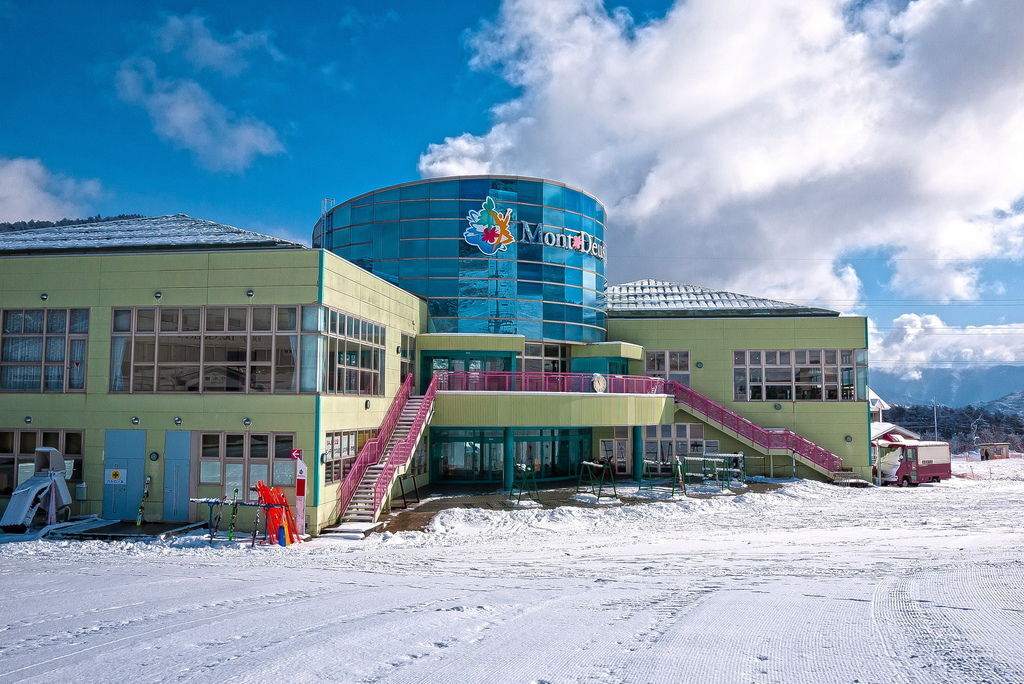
x: 908, y: 462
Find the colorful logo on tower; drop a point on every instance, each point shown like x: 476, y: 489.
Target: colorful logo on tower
x: 488, y: 229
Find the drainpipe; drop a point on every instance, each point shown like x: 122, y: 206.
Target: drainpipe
x: 638, y: 452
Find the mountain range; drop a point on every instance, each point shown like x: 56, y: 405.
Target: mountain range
x: 995, y: 388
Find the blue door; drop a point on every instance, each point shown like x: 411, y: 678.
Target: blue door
x: 124, y: 463
x: 177, y: 452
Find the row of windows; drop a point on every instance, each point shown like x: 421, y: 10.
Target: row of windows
x: 17, y: 454
x: 671, y: 365
x: 43, y: 350
x: 184, y: 349
x: 341, y: 450
x: 401, y: 216
x: 239, y: 460
x: 800, y: 375
x: 172, y: 319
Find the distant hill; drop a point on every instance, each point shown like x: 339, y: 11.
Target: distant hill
x: 949, y: 386
x: 1012, y: 403
x: 29, y: 225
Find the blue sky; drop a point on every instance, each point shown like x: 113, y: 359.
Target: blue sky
x: 822, y: 153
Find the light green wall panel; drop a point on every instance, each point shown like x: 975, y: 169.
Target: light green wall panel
x: 623, y: 350
x: 470, y: 342
x: 529, y: 409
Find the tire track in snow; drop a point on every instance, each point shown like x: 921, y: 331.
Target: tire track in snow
x: 947, y: 627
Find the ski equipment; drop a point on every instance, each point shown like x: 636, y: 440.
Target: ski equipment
x: 139, y: 519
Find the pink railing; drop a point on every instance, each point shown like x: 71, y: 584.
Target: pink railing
x: 769, y: 439
x: 402, y: 451
x: 373, y: 449
x: 521, y: 381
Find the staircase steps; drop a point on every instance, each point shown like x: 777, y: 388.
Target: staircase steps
x: 361, y: 509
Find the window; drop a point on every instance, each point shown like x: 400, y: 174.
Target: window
x: 17, y: 454
x: 238, y: 460
x: 546, y: 358
x: 342, y: 449
x: 671, y: 365
x: 408, y: 354
x: 43, y: 350
x: 663, y: 444
x: 800, y: 375
x: 232, y: 349
x: 356, y: 350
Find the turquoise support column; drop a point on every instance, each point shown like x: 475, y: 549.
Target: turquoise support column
x: 508, y: 460
x: 638, y: 452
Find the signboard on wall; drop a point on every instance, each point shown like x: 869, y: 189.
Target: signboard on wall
x: 115, y: 476
x: 490, y: 231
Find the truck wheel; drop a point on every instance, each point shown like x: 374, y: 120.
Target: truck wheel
x: 904, y: 482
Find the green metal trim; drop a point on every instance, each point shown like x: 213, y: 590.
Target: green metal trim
x: 316, y: 410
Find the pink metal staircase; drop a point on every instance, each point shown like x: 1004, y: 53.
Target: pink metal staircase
x: 734, y: 423
x: 367, y: 485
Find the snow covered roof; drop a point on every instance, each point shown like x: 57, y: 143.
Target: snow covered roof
x: 177, y: 231
x: 882, y: 428
x: 877, y: 403
x: 661, y: 298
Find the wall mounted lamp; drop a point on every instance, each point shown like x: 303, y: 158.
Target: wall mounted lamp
x: 135, y: 420
x: 44, y: 296
x: 247, y: 422
x: 28, y: 420
x: 177, y: 420
x: 158, y: 294
x: 250, y: 293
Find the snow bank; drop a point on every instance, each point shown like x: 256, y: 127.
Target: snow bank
x: 1000, y: 469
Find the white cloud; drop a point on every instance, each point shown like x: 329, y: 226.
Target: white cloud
x: 752, y: 144
x: 915, y: 339
x: 28, y: 190
x: 185, y: 114
x: 228, y: 56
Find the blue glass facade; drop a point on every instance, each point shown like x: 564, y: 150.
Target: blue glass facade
x: 495, y: 254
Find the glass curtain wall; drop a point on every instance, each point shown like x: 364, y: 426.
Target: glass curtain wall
x: 547, y: 283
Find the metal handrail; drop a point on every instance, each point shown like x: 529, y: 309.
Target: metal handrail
x: 373, y: 450
x: 402, y: 451
x: 768, y: 439
x: 530, y: 381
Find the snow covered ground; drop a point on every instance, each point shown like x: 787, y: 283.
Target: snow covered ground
x: 809, y: 583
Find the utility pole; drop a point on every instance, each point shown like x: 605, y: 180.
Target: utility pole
x: 935, y: 420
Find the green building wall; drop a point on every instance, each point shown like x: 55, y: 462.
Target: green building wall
x: 711, y: 342
x: 286, y: 277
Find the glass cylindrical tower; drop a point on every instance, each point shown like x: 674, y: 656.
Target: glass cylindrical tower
x: 491, y: 254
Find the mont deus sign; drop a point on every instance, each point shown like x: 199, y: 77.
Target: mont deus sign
x: 489, y: 230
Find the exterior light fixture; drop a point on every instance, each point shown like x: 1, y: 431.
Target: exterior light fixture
x: 158, y: 294
x: 848, y: 438
x: 250, y: 293
x: 247, y: 422
x: 44, y: 296
x: 778, y: 407
x: 699, y: 364
x: 28, y: 420
x: 154, y: 456
x: 177, y: 420
x: 135, y: 420
x: 367, y: 405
